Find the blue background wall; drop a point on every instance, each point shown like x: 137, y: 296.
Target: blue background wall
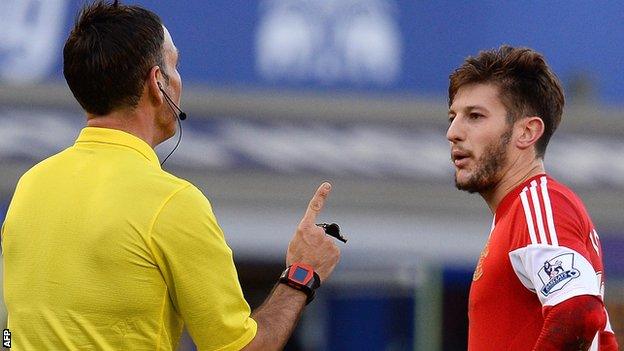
x: 217, y: 39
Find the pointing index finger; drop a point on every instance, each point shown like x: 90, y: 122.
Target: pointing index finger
x: 316, y: 203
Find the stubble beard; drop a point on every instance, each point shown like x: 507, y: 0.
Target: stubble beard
x: 487, y: 175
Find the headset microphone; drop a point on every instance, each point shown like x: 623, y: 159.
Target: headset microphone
x: 181, y: 117
x: 182, y: 114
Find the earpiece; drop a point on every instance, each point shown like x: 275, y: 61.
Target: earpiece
x: 181, y: 115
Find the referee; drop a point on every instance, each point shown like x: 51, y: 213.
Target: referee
x: 104, y: 250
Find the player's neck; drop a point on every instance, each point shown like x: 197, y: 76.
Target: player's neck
x: 511, y: 179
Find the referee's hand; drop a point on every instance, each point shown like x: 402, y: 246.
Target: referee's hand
x: 310, y: 245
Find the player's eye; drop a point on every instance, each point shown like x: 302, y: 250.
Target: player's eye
x: 475, y: 115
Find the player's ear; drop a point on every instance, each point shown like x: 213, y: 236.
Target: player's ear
x: 531, y: 129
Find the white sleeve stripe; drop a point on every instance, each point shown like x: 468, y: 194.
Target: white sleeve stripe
x: 608, y: 327
x: 527, y: 214
x: 538, y: 213
x: 594, y: 344
x: 593, y: 241
x: 549, y: 214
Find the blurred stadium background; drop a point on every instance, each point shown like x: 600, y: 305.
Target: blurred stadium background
x: 283, y: 94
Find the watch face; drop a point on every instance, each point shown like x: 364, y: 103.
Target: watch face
x: 300, y: 275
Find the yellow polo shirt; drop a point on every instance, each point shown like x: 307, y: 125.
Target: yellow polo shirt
x: 103, y: 250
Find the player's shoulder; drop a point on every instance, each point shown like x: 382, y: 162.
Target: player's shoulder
x: 545, y: 210
x: 563, y: 200
x: 546, y: 196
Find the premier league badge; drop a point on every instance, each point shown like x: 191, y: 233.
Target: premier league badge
x: 557, y: 272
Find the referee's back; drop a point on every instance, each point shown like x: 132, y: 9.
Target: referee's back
x: 79, y: 273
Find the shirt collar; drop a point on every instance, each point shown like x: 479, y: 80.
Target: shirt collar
x: 118, y: 137
x: 505, y: 204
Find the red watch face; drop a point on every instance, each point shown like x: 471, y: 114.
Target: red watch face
x: 300, y: 273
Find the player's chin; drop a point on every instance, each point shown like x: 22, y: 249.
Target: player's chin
x: 462, y: 175
x: 463, y: 179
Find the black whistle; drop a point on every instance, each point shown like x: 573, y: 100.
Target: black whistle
x: 333, y: 230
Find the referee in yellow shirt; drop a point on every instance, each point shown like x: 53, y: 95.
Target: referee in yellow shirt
x: 104, y: 250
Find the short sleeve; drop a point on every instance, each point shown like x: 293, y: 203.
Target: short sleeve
x: 198, y: 268
x: 554, y: 260
x: 554, y: 273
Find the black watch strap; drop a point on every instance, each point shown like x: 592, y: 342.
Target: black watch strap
x: 302, y: 277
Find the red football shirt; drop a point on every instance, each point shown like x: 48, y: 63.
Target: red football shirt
x: 543, y: 249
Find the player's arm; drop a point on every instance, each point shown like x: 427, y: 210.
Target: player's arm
x: 572, y: 324
x: 555, y: 264
x: 567, y: 286
x: 277, y: 317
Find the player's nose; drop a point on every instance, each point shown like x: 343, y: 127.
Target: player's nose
x: 454, y: 132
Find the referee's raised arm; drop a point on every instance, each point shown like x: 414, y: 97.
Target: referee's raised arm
x: 311, y: 252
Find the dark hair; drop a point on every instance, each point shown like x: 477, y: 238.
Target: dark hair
x: 528, y: 87
x: 109, y: 53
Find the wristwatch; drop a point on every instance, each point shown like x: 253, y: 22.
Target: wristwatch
x: 302, y: 277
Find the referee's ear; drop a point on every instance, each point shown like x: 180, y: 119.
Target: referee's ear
x: 151, y: 86
x: 530, y: 130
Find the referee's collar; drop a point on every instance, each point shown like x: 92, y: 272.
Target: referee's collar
x: 118, y: 137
